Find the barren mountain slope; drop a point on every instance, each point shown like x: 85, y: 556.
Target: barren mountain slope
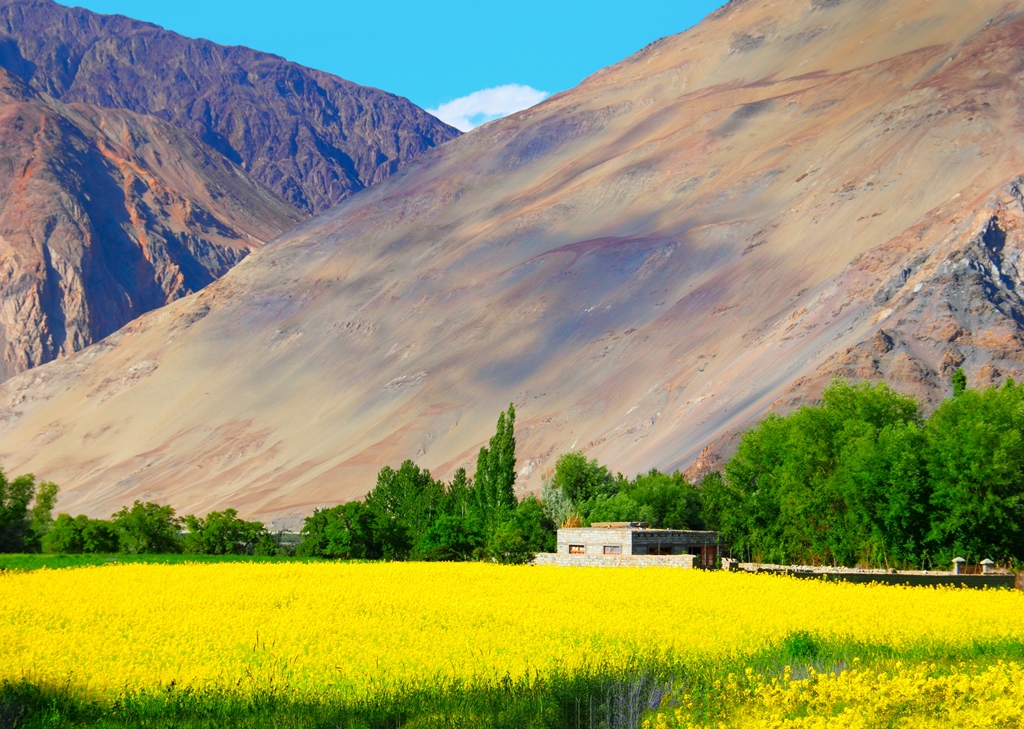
x: 311, y: 137
x: 105, y: 215
x: 794, y: 188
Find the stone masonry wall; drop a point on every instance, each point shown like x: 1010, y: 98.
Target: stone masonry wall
x: 594, y: 540
x: 681, y: 561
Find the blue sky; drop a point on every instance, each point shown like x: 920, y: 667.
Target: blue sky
x: 487, y: 58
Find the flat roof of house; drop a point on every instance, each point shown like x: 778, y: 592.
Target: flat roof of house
x: 617, y: 525
x: 636, y: 526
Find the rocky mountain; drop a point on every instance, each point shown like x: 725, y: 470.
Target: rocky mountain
x: 312, y: 138
x: 710, y: 229
x: 105, y: 215
x: 137, y: 166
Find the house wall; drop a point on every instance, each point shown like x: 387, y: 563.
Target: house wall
x: 683, y: 561
x: 594, y: 540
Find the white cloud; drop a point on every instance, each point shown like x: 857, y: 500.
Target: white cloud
x: 487, y: 104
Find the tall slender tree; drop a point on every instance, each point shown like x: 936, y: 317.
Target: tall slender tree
x: 494, y: 482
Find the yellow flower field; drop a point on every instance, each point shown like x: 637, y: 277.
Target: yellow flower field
x: 348, y: 627
x: 909, y: 697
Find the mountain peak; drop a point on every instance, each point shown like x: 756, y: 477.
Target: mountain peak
x: 312, y: 138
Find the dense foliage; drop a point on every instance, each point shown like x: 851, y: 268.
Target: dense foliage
x: 864, y: 479
x: 26, y: 526
x: 582, y: 491
x: 24, y: 512
x: 411, y: 515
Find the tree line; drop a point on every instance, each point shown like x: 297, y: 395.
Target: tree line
x: 863, y: 478
x: 411, y: 515
x: 27, y: 525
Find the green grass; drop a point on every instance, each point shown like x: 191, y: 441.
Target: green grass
x: 28, y: 562
x: 600, y: 699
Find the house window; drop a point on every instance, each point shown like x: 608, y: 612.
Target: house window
x: 659, y: 549
x: 612, y: 549
x: 576, y: 549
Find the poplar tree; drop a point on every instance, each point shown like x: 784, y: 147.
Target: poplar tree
x: 494, y: 482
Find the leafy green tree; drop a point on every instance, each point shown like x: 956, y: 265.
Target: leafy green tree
x: 883, y: 483
x: 147, y: 528
x: 618, y: 507
x: 494, y: 482
x: 449, y: 539
x: 507, y: 545
x: 460, y: 498
x: 975, y: 462
x: 523, y: 533
x: 271, y: 545
x: 15, y: 497
x: 80, y: 535
x: 343, y: 532
x: 580, y: 479
x: 723, y: 510
x: 64, y: 536
x: 41, y: 514
x: 959, y: 382
x: 745, y: 507
x: 24, y: 512
x: 557, y: 506
x: 393, y: 537
x: 403, y: 505
x: 666, y: 501
x: 815, y: 486
x: 98, y: 536
x: 536, y: 528
x: 222, y: 532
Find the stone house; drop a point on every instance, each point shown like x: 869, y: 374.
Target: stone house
x: 622, y: 538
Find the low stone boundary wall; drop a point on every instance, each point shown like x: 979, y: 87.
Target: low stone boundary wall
x: 909, y: 579
x: 679, y: 561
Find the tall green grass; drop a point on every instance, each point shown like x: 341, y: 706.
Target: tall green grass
x: 602, y: 698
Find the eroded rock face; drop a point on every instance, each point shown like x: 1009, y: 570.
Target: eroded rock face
x: 644, y: 265
x: 137, y: 166
x: 311, y: 137
x: 959, y: 304
x: 105, y: 215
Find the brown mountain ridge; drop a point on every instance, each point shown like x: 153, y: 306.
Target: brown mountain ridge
x: 644, y: 265
x: 105, y: 215
x: 137, y: 166
x: 309, y: 136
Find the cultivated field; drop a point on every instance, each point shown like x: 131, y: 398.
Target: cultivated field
x: 453, y: 644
